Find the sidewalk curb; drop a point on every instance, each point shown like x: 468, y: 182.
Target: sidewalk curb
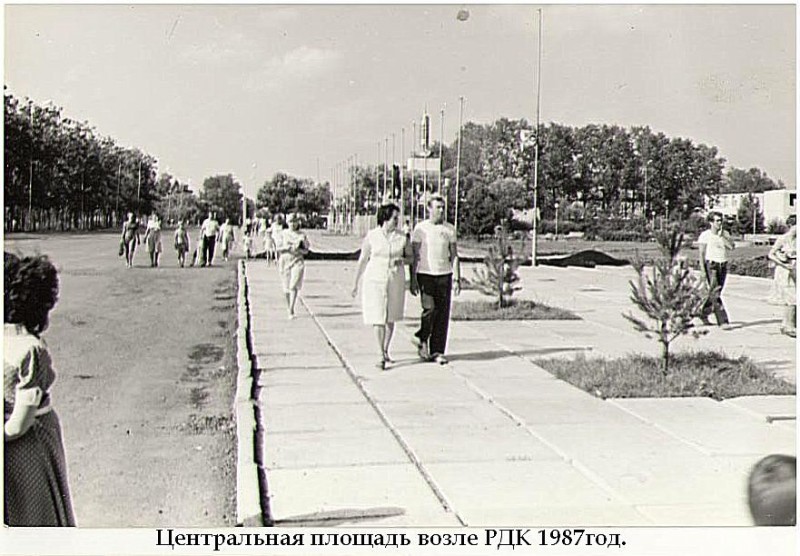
x: 248, y: 494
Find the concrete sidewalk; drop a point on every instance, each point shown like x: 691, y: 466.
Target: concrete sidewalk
x: 492, y: 439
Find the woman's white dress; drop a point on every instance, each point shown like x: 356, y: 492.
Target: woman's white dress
x: 383, y: 290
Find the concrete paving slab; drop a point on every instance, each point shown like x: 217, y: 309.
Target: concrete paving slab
x: 611, y: 440
x: 572, y: 410
x: 438, y: 386
x: 531, y: 387
x: 381, y: 495
x: 475, y: 444
x: 667, y: 480
x: 699, y: 421
x: 735, y: 514
x: 545, y: 515
x: 298, y: 360
x: 765, y: 406
x: 506, y: 492
x: 289, y: 394
x: 307, y: 450
x: 440, y: 415
x: 318, y: 417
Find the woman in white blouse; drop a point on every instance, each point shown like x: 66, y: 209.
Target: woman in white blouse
x: 384, y: 253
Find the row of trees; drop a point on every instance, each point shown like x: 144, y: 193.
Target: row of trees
x: 61, y: 174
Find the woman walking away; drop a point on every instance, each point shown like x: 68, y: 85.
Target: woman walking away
x: 36, y: 489
x: 274, y: 233
x: 130, y: 238
x: 292, y: 247
x: 152, y: 238
x: 226, y: 238
x: 181, y: 243
x: 384, y: 253
x: 784, y: 255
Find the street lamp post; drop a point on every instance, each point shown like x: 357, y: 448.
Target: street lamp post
x: 556, y: 207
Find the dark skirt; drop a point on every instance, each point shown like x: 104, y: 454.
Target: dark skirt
x: 36, y: 488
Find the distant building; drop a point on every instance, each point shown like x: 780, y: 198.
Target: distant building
x: 776, y: 204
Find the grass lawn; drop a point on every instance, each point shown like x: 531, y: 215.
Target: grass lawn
x: 703, y: 373
x: 618, y: 249
x: 518, y: 309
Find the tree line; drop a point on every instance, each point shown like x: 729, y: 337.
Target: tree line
x: 61, y: 174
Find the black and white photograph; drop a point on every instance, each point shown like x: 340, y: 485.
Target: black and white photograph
x: 334, y: 274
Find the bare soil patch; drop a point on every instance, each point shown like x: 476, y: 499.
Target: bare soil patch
x: 146, y: 377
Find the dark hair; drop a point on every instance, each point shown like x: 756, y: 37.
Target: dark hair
x: 386, y: 211
x: 31, y: 291
x: 791, y: 220
x: 771, y: 490
x: 714, y: 214
x: 435, y: 199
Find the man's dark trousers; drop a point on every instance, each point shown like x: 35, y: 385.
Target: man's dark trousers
x: 715, y: 276
x: 434, y: 291
x: 208, y: 248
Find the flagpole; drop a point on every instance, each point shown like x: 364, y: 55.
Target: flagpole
x: 458, y: 156
x: 534, y: 237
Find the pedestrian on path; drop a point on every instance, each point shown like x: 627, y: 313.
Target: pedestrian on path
x: 784, y: 283
x: 130, y: 238
x: 209, y: 230
x: 181, y: 243
x: 293, y: 246
x: 226, y: 238
x: 772, y: 490
x: 384, y: 253
x: 715, y: 245
x: 272, y: 237
x: 435, y: 272
x: 152, y: 238
x: 36, y: 489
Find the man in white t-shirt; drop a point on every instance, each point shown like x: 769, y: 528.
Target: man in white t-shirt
x: 715, y: 244
x: 434, y: 273
x: 208, y: 231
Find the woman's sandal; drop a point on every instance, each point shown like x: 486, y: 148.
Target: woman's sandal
x: 381, y: 364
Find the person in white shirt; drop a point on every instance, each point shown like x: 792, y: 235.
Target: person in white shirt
x: 208, y: 232
x: 435, y: 272
x: 715, y: 244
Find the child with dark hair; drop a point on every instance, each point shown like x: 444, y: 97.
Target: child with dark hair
x: 36, y: 489
x: 772, y: 490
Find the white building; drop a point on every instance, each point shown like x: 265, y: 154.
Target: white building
x: 776, y: 204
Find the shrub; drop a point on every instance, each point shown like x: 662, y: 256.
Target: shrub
x: 776, y: 226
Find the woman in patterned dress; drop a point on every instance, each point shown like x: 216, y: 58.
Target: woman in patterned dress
x: 384, y: 253
x: 784, y: 255
x: 36, y: 489
x: 152, y: 238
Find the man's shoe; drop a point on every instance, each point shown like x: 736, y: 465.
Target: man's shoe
x: 441, y: 359
x: 422, y: 348
x: 705, y: 320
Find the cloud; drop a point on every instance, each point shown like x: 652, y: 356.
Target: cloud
x: 302, y: 63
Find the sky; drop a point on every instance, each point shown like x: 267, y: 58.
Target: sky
x: 256, y: 89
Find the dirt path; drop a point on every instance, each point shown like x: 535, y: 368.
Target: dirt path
x: 146, y: 376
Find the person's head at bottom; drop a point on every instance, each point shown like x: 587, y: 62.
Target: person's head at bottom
x: 772, y: 490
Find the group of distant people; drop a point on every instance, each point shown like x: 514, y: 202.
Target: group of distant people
x: 211, y: 233
x: 715, y: 246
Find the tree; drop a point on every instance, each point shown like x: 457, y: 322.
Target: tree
x: 670, y: 296
x: 749, y: 216
x: 748, y: 181
x: 223, y: 194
